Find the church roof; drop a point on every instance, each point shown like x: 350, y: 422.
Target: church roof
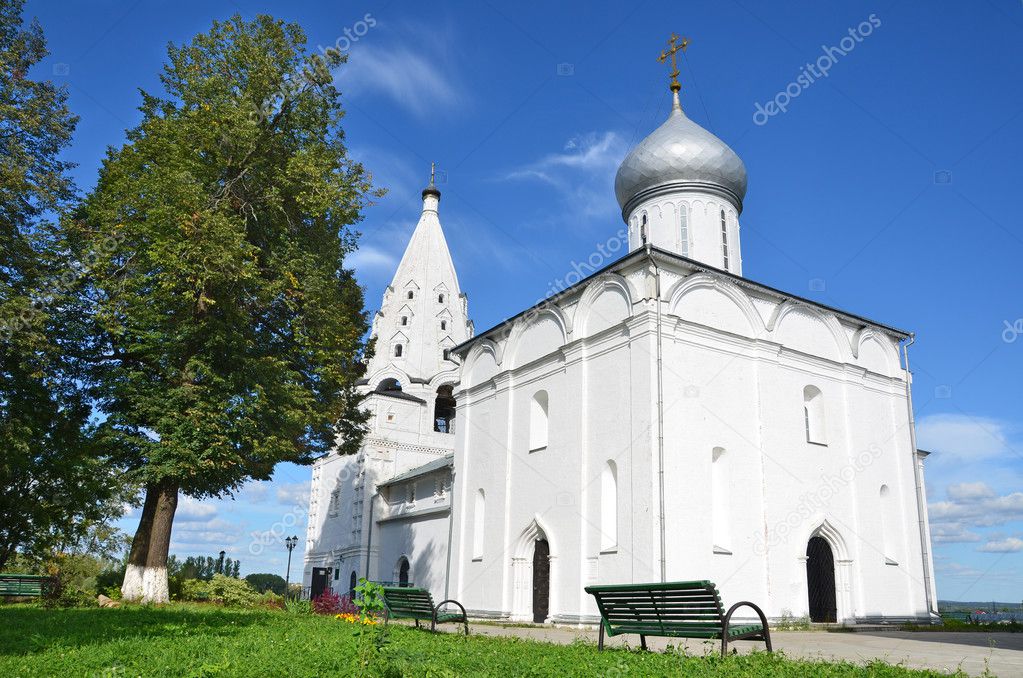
x: 437, y: 464
x: 671, y: 256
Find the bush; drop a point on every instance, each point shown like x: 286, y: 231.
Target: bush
x: 267, y: 582
x: 298, y: 606
x: 327, y: 603
x: 271, y: 600
x: 61, y: 595
x: 221, y: 590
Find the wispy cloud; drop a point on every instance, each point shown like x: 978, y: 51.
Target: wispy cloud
x: 422, y: 79
x: 582, y: 171
x: 293, y: 494
x: 370, y: 257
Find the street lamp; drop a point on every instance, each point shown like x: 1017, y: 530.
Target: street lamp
x: 290, y: 543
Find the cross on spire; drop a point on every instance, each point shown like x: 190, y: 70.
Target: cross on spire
x: 672, y: 50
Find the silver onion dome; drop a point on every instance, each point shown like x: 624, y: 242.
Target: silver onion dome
x: 678, y: 155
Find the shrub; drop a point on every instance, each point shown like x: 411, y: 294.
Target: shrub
x: 59, y: 594
x: 298, y: 606
x: 222, y: 590
x: 327, y: 602
x: 271, y: 600
x: 267, y: 582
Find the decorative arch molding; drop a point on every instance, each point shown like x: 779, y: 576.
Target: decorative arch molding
x: 603, y: 283
x: 483, y: 347
x: 396, y: 572
x: 828, y: 319
x: 705, y: 281
x: 868, y: 333
x: 522, y: 570
x: 389, y: 372
x: 522, y: 326
x: 446, y: 378
x: 824, y: 528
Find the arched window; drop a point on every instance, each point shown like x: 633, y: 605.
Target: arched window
x: 538, y: 422
x: 720, y: 499
x: 642, y: 228
x: 411, y: 294
x: 397, y: 350
x: 683, y: 217
x: 404, y: 320
x: 888, y: 539
x: 444, y: 410
x: 609, y: 507
x: 352, y: 581
x: 478, y: 522
x: 443, y: 324
x: 389, y: 385
x: 403, y: 571
x: 813, y: 415
x: 440, y: 298
x: 724, y: 240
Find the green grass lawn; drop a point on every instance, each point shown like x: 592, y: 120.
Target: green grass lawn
x: 192, y: 640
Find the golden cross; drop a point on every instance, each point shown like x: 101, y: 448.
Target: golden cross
x: 670, y: 52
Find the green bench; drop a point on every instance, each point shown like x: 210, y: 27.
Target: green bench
x: 23, y: 585
x: 681, y: 609
x: 403, y: 602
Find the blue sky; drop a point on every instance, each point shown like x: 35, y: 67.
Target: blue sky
x: 887, y: 188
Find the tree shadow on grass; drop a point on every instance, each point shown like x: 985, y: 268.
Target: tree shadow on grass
x: 25, y: 629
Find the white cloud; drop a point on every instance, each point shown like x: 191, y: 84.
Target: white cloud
x: 1009, y: 545
x: 421, y: 80
x: 958, y: 438
x: 970, y: 491
x: 293, y: 494
x: 192, y: 510
x: 984, y: 511
x: 370, y: 257
x: 581, y: 171
x: 952, y: 533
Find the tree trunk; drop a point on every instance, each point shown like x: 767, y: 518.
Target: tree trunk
x: 154, y: 576
x: 131, y: 587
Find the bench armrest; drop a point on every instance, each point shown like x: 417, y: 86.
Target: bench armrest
x: 733, y: 608
x: 444, y: 602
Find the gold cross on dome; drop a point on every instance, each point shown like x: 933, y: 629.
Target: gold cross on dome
x: 672, y: 50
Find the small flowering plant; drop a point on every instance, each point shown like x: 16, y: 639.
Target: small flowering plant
x: 356, y: 619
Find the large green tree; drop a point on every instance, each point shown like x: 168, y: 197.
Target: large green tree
x: 233, y: 333
x: 55, y: 482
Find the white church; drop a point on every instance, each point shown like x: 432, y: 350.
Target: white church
x: 664, y: 419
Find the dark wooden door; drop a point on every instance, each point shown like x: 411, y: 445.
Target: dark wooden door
x: 541, y: 581
x: 319, y: 582
x: 820, y: 581
x: 403, y: 573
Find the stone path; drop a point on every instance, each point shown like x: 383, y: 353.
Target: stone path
x: 1000, y: 653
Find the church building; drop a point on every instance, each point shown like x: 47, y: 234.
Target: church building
x: 664, y: 419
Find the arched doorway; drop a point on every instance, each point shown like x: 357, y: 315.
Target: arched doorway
x: 820, y: 581
x: 444, y: 410
x: 403, y: 568
x: 352, y: 581
x: 541, y: 581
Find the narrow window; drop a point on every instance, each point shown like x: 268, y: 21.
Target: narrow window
x: 724, y: 239
x: 538, y: 422
x: 683, y: 215
x: 440, y: 298
x: 642, y: 229
x: 445, y: 354
x: 352, y: 581
x: 404, y: 320
x: 397, y: 350
x: 443, y: 324
x: 609, y: 507
x: 888, y: 539
x: 813, y: 416
x: 720, y: 501
x: 411, y: 294
x: 478, y: 521
x: 410, y: 497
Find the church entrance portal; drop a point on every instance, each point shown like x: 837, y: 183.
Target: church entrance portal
x: 820, y: 581
x: 319, y: 582
x: 541, y: 581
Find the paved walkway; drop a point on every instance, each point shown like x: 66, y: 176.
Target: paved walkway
x: 1000, y: 653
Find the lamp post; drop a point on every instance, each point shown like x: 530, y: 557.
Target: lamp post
x: 290, y: 543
